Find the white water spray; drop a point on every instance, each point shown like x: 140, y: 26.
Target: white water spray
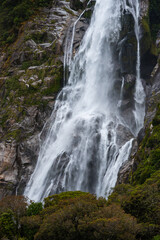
x: 83, y: 149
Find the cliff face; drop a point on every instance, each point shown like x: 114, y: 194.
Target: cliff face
x: 150, y: 71
x: 31, y: 75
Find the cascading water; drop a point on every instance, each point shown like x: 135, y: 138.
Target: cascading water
x: 68, y: 53
x: 133, y: 7
x: 83, y: 149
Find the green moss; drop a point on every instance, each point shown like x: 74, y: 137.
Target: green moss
x: 55, y: 87
x: 69, y: 11
x: 34, y: 62
x: 146, y: 39
x: 88, y: 14
x: 19, y: 95
x: 148, y: 155
x: 157, y: 237
x: 154, y: 50
x: 15, y: 134
x: 39, y: 37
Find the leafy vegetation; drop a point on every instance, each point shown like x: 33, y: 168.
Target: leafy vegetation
x: 129, y: 214
x: 14, y: 13
x: 71, y: 215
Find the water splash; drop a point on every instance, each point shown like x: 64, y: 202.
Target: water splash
x: 84, y: 148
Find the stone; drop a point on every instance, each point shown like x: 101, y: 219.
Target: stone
x: 31, y: 44
x: 123, y: 135
x: 37, y: 83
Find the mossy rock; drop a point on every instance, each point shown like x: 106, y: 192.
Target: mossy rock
x: 127, y: 45
x: 146, y: 40
x: 149, y: 52
x: 76, y: 4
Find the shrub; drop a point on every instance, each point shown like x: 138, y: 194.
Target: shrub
x: 34, y: 209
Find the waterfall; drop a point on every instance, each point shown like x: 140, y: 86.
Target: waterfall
x: 121, y: 93
x: 139, y: 96
x: 68, y: 53
x: 85, y: 146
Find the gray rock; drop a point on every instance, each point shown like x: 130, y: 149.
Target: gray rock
x: 27, y: 155
x: 144, y: 6
x: 8, y: 167
x: 128, y: 167
x: 123, y: 135
x: 31, y: 44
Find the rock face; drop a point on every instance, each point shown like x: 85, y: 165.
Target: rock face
x: 34, y: 69
x: 78, y: 4
x: 150, y: 71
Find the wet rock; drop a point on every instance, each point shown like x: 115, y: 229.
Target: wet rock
x: 80, y: 30
x: 129, y: 85
x: 8, y: 167
x: 77, y: 4
x: 123, y: 135
x: 153, y: 98
x: 127, y: 46
x: 128, y: 167
x: 27, y: 155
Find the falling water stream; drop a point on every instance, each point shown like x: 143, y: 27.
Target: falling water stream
x: 83, y: 149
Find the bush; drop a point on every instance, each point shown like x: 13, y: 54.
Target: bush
x: 34, y: 209
x: 7, y: 225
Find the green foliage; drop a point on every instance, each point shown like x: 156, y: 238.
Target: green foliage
x: 12, y: 208
x: 57, y: 199
x: 156, y: 237
x: 13, y: 13
x: 78, y: 215
x: 148, y: 155
x: 30, y: 226
x: 34, y: 209
x: 57, y: 74
x: 142, y: 202
x: 141, y: 198
x: 7, y: 225
x: 131, y: 213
